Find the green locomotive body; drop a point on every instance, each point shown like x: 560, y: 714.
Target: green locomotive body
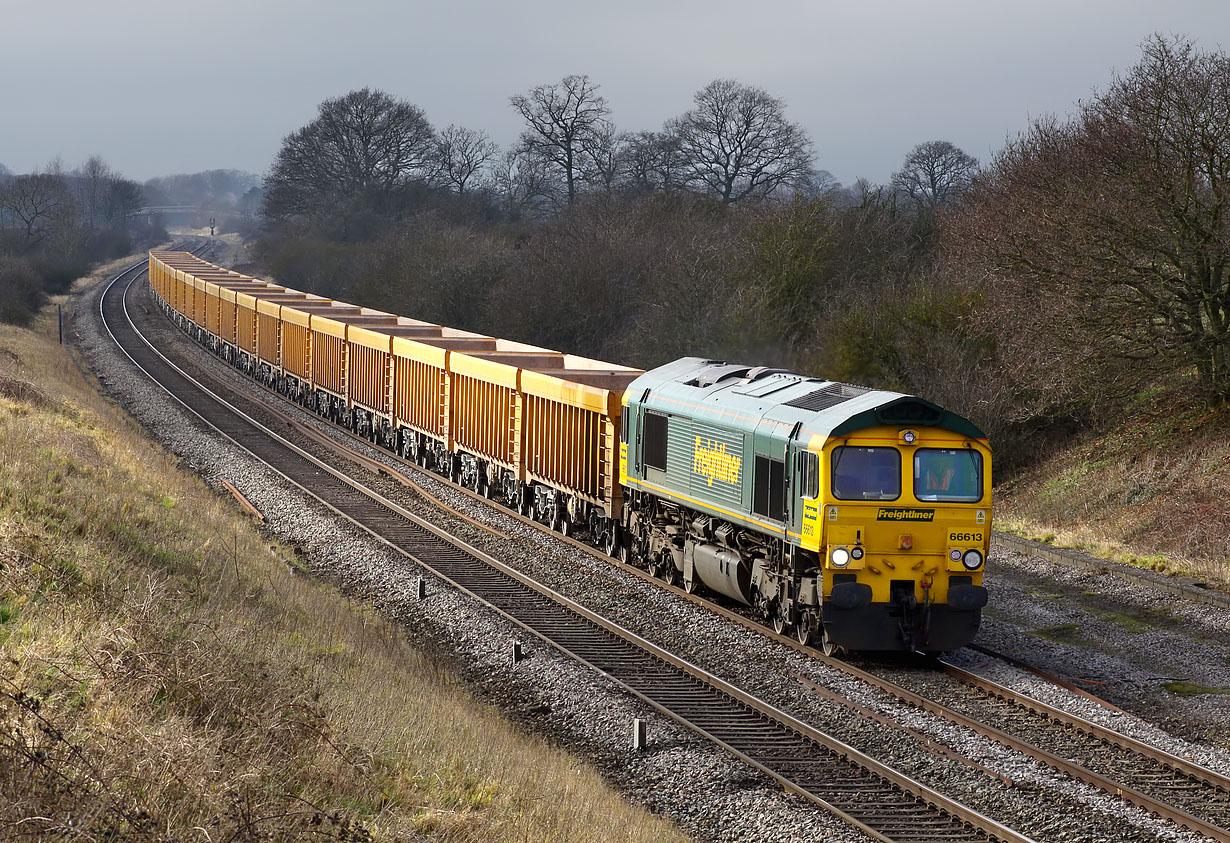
x: 796, y: 496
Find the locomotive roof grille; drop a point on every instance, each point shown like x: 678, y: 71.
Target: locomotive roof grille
x: 827, y: 396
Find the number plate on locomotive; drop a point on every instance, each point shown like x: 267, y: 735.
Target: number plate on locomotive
x: 965, y: 536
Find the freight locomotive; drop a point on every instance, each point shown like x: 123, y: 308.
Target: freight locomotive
x: 855, y: 518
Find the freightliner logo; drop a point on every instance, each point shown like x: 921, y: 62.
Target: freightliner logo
x: 905, y: 515
x: 710, y: 459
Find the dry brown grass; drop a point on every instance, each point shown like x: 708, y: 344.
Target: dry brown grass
x: 1152, y: 490
x: 164, y: 671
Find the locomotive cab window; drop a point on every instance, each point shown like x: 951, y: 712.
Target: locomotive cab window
x: 654, y: 440
x: 866, y: 474
x: 769, y: 488
x: 948, y: 474
x: 809, y: 474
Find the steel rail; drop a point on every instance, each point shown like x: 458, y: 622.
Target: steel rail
x: 784, y: 748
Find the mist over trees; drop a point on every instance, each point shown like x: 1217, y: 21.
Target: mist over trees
x: 215, y: 189
x: 55, y: 223
x: 935, y: 172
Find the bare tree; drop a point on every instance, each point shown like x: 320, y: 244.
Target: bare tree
x: 737, y: 143
x: 122, y: 198
x: 567, y: 127
x: 92, y: 180
x: 651, y: 161
x: 1122, y: 214
x: 38, y: 206
x: 934, y: 172
x: 360, y: 154
x: 463, y: 153
x: 602, y: 158
x: 526, y: 184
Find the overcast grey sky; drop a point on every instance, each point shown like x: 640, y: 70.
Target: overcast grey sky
x: 160, y: 86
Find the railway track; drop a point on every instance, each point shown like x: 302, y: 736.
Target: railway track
x: 880, y: 801
x: 1163, y: 784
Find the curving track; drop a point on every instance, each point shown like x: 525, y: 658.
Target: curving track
x: 884, y: 803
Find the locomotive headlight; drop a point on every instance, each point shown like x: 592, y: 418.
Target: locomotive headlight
x: 856, y: 553
x: 972, y: 560
x: 840, y: 557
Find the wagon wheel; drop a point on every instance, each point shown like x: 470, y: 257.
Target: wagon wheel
x: 625, y: 553
x: 610, y: 540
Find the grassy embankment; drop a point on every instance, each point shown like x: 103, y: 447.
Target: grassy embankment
x: 164, y: 670
x: 1152, y: 488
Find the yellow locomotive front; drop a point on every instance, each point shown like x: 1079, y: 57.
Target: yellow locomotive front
x: 905, y: 518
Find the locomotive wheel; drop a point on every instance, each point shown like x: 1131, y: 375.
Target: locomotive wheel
x: 826, y: 644
x: 779, y: 622
x: 662, y: 567
x: 655, y: 567
x: 804, y: 628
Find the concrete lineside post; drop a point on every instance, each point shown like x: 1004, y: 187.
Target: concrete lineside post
x: 517, y: 654
x: 420, y: 589
x: 639, y: 741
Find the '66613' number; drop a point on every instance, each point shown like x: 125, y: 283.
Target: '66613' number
x: 955, y: 537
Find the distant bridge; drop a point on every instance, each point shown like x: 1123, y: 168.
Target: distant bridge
x: 165, y: 210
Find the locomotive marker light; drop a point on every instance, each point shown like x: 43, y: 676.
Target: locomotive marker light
x: 856, y: 553
x: 908, y: 437
x: 954, y: 555
x: 972, y: 560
